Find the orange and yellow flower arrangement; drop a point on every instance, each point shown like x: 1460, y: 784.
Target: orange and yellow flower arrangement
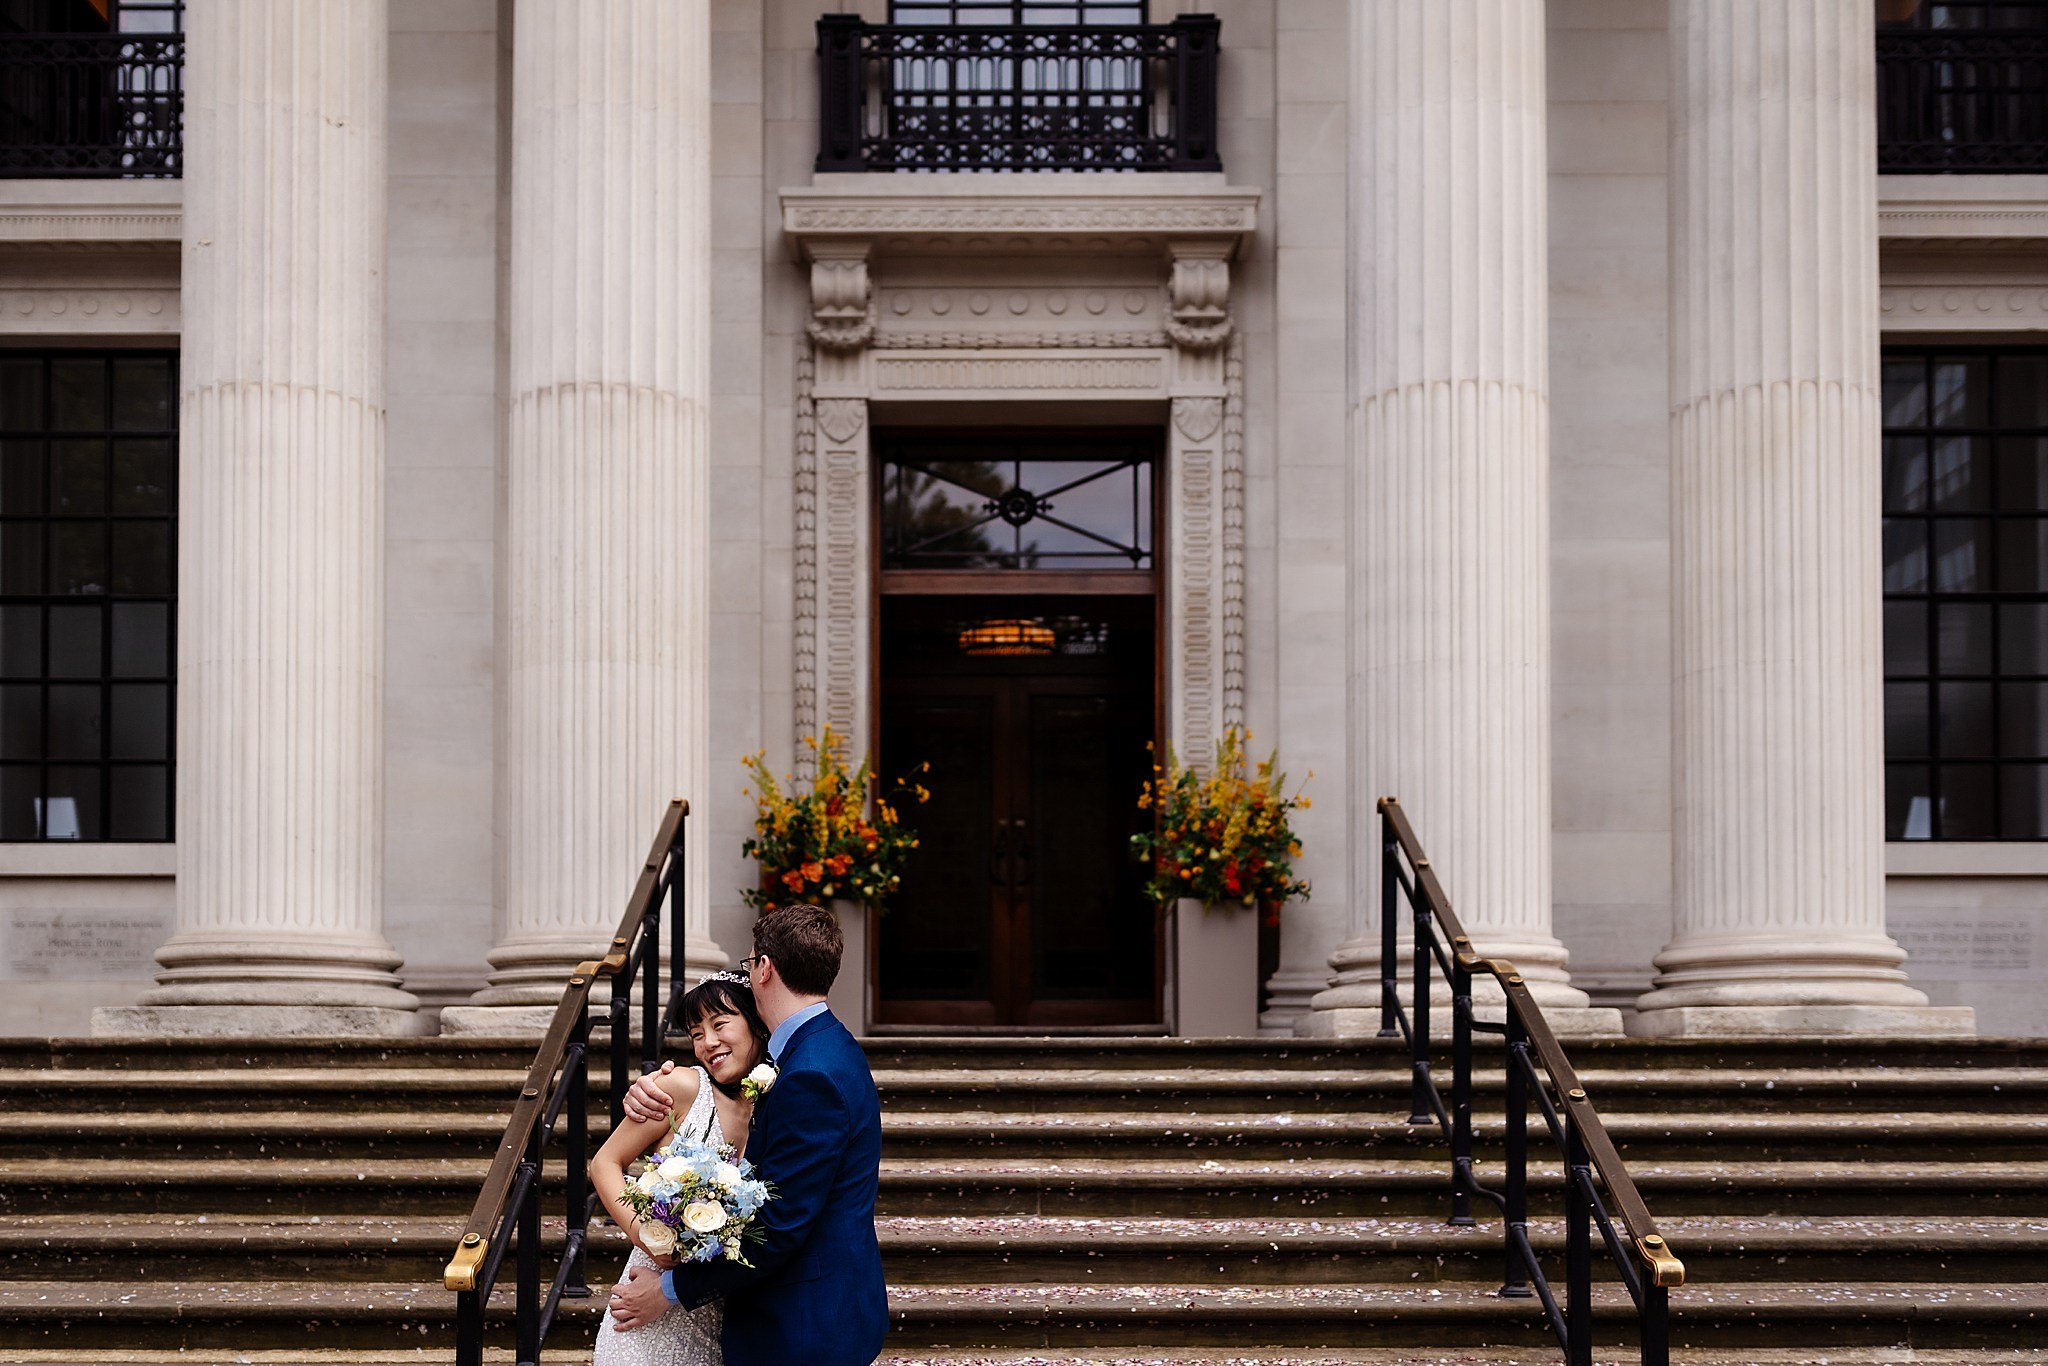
x: 819, y: 840
x: 1225, y: 838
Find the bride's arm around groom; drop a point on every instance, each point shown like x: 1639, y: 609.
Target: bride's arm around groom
x: 813, y: 1292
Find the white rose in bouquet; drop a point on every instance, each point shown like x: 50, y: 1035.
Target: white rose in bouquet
x: 674, y: 1169
x: 728, y: 1176
x: 704, y: 1216
x: 658, y: 1238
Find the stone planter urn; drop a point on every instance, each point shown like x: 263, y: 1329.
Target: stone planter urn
x: 1213, y: 959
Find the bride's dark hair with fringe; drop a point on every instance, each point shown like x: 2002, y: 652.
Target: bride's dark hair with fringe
x: 721, y: 996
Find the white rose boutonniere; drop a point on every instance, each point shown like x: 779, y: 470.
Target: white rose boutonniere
x: 759, y: 1082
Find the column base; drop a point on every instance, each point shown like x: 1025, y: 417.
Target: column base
x: 1567, y: 1022
x: 1289, y: 992
x: 1816, y: 1022
x: 533, y: 973
x: 258, y: 1022
x: 504, y: 1022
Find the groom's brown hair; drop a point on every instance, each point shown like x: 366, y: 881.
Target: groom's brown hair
x: 805, y: 945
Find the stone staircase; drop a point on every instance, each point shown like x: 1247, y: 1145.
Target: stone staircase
x: 1056, y: 1202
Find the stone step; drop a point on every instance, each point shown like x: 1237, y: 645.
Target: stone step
x: 112, y: 1312
x: 1643, y: 1138
x: 1374, y: 1089
x: 1035, y: 1249
x: 1125, y: 1356
x: 1075, y: 1187
x: 1958, y: 1056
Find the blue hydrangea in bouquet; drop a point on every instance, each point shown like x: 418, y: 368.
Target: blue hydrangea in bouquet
x: 697, y: 1203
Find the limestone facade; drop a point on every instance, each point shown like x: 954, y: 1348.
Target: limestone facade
x: 1269, y: 322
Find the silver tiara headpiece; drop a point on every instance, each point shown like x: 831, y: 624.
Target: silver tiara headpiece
x: 732, y: 975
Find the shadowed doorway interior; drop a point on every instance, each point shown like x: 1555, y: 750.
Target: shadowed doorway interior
x: 1019, y: 660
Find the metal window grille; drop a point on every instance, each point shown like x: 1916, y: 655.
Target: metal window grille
x: 85, y: 97
x: 1966, y: 593
x: 88, y: 601
x: 1074, y: 504
x: 1963, y: 87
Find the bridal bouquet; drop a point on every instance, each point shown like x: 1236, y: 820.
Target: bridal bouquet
x: 697, y: 1203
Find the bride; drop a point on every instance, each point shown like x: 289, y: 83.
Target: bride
x: 729, y: 1038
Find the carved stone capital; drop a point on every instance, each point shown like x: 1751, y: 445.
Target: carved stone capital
x: 1198, y: 296
x: 842, y: 301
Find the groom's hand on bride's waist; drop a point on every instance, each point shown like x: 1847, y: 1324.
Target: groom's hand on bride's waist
x: 647, y: 1102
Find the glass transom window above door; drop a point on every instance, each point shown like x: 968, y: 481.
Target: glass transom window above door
x: 1042, y: 503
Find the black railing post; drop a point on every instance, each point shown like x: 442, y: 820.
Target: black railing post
x: 678, y: 924
x: 621, y: 1044
x: 576, y: 1156
x: 469, y: 1328
x: 1390, y: 891
x: 1422, y: 1114
x: 526, y: 1334
x: 842, y: 94
x: 1656, y: 1325
x: 1462, y: 1180
x: 650, y: 986
x: 1578, y: 1246
x: 1197, y: 41
x: 1516, y: 1213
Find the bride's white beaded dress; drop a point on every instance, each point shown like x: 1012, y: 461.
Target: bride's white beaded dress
x: 679, y: 1337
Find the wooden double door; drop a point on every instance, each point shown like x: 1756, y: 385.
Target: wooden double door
x: 1023, y: 905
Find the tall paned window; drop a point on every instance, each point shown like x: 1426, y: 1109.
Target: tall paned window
x: 88, y: 603
x: 1966, y: 593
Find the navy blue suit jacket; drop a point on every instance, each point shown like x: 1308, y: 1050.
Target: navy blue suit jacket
x: 814, y: 1293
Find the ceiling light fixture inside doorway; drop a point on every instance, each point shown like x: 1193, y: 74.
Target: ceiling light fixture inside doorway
x: 1004, y: 636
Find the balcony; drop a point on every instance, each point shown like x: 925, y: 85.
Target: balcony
x: 1964, y: 100
x: 1138, y: 97
x: 91, y: 105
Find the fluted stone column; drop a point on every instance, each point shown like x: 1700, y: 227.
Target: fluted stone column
x: 1775, y: 486
x: 281, y: 621
x: 607, y: 610
x: 1450, y: 575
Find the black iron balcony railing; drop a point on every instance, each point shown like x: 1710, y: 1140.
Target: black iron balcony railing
x: 896, y: 97
x: 1962, y: 100
x: 91, y: 104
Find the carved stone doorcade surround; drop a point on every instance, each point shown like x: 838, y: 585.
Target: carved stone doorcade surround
x: 1103, y: 293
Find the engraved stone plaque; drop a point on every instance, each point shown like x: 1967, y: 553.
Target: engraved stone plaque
x: 43, y: 945
x: 1970, y: 943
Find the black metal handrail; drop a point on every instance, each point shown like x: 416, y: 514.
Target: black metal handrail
x: 92, y: 104
x: 1962, y: 100
x: 507, y: 1213
x: 1081, y: 97
x: 1538, y: 1070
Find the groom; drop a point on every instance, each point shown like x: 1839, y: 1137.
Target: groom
x: 814, y: 1292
